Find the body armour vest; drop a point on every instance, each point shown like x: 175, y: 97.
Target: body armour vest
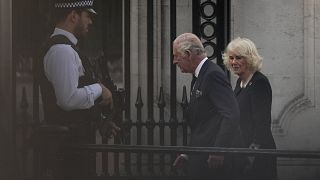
x: 77, y: 120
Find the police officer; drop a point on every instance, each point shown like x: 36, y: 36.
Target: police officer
x: 69, y: 91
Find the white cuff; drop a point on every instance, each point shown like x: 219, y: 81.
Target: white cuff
x: 184, y: 156
x: 96, y: 90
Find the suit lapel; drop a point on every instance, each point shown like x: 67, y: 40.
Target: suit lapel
x: 201, y: 74
x: 198, y: 81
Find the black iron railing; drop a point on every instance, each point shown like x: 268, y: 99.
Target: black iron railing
x: 196, y: 150
x: 133, y: 157
x: 167, y: 169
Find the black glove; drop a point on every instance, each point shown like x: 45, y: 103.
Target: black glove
x: 108, y: 128
x: 254, y: 146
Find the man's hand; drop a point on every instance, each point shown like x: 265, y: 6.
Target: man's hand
x: 108, y: 128
x: 180, y: 161
x: 215, y: 161
x: 106, y: 97
x: 254, y: 146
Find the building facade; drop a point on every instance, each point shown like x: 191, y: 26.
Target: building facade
x: 287, y: 35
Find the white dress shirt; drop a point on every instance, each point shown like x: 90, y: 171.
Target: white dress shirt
x: 197, y: 71
x: 63, y: 67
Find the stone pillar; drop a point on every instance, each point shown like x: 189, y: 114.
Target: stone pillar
x: 184, y: 25
x: 138, y: 53
x: 161, y: 59
x: 7, y: 93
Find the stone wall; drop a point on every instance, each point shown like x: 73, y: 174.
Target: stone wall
x: 287, y: 33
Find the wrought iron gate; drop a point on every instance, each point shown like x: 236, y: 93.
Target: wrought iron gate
x: 211, y: 24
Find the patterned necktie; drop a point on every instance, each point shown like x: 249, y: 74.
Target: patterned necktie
x: 193, y: 82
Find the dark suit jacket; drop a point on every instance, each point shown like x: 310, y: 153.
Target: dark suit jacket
x: 255, y: 111
x: 213, y: 109
x: 213, y: 115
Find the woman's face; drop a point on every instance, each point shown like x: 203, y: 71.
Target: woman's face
x: 238, y: 63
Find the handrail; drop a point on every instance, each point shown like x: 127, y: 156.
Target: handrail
x: 195, y: 150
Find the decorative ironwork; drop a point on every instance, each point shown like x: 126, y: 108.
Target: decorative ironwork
x: 207, y: 30
x: 184, y: 105
x: 139, y: 105
x: 210, y: 23
x: 138, y: 167
x: 208, y: 10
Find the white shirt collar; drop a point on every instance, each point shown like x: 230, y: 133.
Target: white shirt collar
x: 69, y: 35
x: 197, y: 71
x: 244, y: 84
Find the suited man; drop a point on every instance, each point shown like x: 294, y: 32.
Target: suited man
x: 213, y: 110
x: 254, y: 95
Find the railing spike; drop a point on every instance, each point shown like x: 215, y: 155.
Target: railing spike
x: 184, y: 101
x: 24, y: 101
x: 161, y: 105
x: 161, y: 101
x: 139, y: 105
x: 184, y: 105
x: 139, y: 102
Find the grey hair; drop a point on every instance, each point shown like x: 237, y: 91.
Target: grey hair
x: 246, y: 48
x: 189, y: 41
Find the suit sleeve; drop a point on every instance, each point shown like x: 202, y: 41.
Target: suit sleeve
x: 261, y: 99
x: 225, y: 103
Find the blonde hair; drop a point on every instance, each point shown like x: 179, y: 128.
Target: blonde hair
x: 246, y: 48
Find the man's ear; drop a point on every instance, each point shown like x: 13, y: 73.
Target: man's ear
x: 74, y: 16
x: 188, y: 53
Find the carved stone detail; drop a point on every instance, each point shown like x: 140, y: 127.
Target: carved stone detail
x: 308, y: 98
